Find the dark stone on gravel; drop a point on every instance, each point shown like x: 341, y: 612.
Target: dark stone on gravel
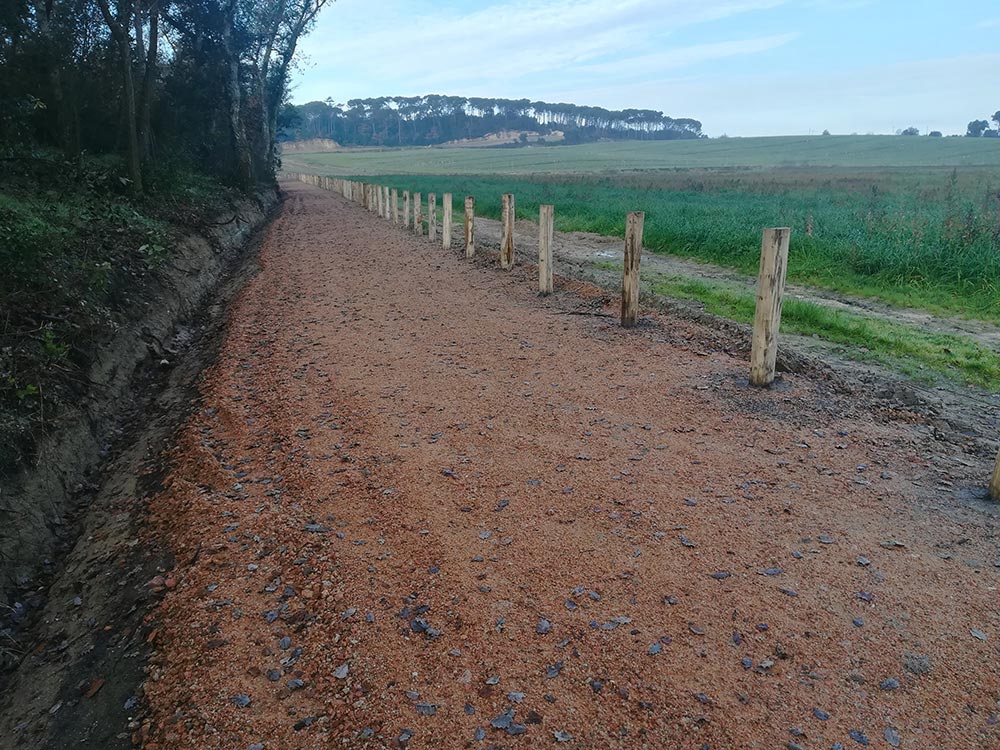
x: 543, y: 627
x: 273, y: 675
x: 655, y: 649
x: 890, y: 683
x: 241, y: 701
x: 721, y: 575
x: 596, y: 685
x: 406, y: 735
x: 892, y: 736
x: 858, y: 737
x: 426, y: 709
x: 562, y: 736
x: 504, y: 720
x: 917, y: 664
x: 296, y: 683
x: 479, y: 735
x: 517, y: 729
x: 285, y: 643
x: 820, y: 714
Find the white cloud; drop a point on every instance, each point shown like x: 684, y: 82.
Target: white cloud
x: 942, y: 94
x: 414, y: 48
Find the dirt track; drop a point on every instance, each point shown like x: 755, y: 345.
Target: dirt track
x: 404, y: 463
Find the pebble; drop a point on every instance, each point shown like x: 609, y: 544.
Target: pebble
x: 515, y: 697
x: 543, y: 627
x: 892, y: 736
x: 858, y: 737
x: 978, y: 634
x: 562, y: 736
x: 721, y: 575
x: 504, y: 720
x: 773, y: 571
x: 426, y: 709
x: 655, y: 649
x: 296, y: 683
x: 820, y: 714
x: 890, y: 683
x: 825, y: 539
x: 479, y: 735
x: 242, y: 701
x: 341, y: 672
x: 406, y: 735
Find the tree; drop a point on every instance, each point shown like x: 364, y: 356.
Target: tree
x: 935, y: 134
x: 976, y: 128
x: 120, y: 25
x: 910, y: 131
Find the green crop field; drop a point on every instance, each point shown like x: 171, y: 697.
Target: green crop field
x: 784, y: 151
x: 911, y: 221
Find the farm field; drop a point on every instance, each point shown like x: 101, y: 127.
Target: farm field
x: 872, y: 224
x: 778, y: 151
x: 912, y: 223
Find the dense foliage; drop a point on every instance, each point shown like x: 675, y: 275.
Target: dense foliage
x: 434, y: 119
x: 123, y: 124
x: 196, y: 80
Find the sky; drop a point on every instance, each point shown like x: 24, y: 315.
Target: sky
x: 741, y: 67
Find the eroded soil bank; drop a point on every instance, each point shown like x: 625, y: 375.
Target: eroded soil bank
x: 74, y: 570
x: 418, y: 506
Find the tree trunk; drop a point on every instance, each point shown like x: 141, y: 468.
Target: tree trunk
x: 119, y: 30
x: 241, y: 147
x: 148, y: 84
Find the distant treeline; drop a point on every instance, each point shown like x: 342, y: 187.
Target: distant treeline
x: 433, y: 119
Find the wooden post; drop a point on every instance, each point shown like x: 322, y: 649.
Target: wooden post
x: 386, y: 212
x: 432, y: 216
x: 470, y: 226
x: 770, y: 290
x: 995, y: 481
x: 546, y: 235
x: 378, y: 201
x: 406, y: 208
x: 507, y: 233
x: 418, y: 220
x: 395, y: 206
x: 446, y: 221
x: 630, y: 272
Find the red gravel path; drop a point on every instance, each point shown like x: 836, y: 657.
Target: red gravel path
x: 378, y: 400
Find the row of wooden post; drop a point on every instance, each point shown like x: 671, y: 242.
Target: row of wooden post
x: 770, y: 281
x: 773, y: 258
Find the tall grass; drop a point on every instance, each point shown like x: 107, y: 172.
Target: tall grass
x: 927, y: 238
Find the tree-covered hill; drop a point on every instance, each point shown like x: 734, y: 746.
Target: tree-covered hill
x: 432, y: 119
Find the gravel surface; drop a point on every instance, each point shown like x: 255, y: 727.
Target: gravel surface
x: 420, y: 506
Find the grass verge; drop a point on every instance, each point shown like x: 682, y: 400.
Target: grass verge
x: 909, y: 350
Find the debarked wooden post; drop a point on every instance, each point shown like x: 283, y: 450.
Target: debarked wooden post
x: 546, y: 235
x: 395, y: 206
x: 470, y: 226
x: 446, y: 221
x: 770, y: 291
x: 432, y: 217
x: 507, y: 233
x: 630, y: 271
x: 406, y: 208
x: 995, y: 481
x: 418, y: 219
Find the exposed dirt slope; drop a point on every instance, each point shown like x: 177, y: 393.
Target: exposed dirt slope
x: 417, y: 499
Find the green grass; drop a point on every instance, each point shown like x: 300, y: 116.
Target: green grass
x: 590, y: 158
x: 924, y: 238
x: 904, y: 348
